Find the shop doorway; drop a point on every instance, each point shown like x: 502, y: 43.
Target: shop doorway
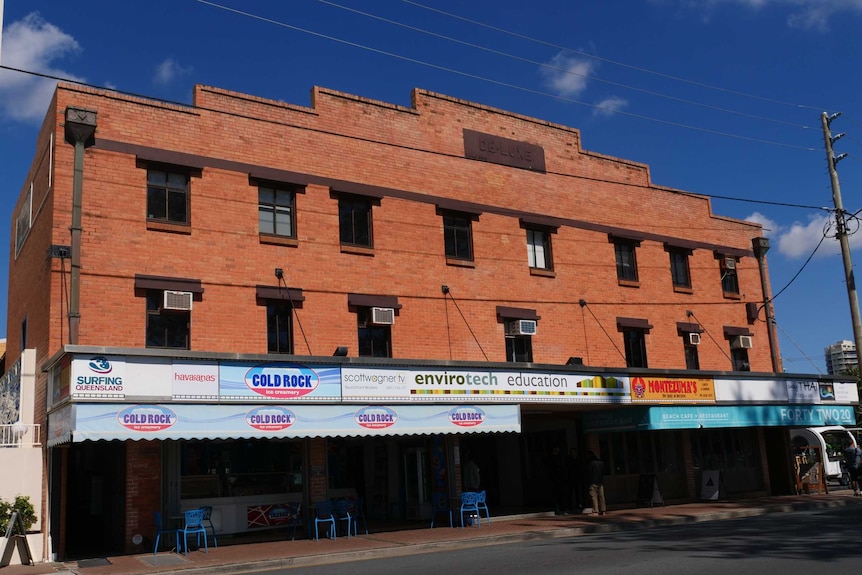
x: 95, y: 501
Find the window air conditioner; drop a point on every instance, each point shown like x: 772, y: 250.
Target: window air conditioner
x: 694, y: 338
x: 178, y: 300
x: 382, y: 316
x: 741, y: 342
x: 521, y: 327
x: 729, y: 263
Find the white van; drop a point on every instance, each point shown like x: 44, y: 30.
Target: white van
x: 832, y: 441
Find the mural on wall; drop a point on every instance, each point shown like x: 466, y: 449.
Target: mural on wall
x: 10, y: 395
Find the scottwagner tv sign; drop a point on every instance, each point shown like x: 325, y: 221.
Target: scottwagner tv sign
x: 419, y: 384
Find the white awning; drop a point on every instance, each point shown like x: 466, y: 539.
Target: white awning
x: 95, y: 421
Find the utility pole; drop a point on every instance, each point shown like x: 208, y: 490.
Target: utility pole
x: 841, y: 233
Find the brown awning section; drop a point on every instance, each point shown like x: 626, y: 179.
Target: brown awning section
x: 368, y: 300
x: 629, y: 236
x: 260, y: 173
x: 681, y: 245
x: 516, y: 313
x: 688, y: 327
x: 536, y: 221
x: 457, y: 206
x: 731, y: 331
x: 276, y: 292
x: 633, y: 323
x: 168, y: 283
x: 168, y: 157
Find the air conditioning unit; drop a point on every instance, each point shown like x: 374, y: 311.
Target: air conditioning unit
x: 382, y: 316
x: 178, y: 300
x: 521, y: 327
x: 741, y: 342
x: 728, y: 263
x: 694, y: 338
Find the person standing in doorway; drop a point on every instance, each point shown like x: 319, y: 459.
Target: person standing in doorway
x: 472, y: 478
x: 596, y: 479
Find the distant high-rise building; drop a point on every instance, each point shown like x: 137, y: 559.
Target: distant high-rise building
x: 840, y: 357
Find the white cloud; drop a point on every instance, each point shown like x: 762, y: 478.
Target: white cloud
x: 32, y: 44
x: 800, y: 13
x: 799, y: 239
x: 770, y: 227
x: 567, y: 75
x: 168, y: 71
x: 608, y: 106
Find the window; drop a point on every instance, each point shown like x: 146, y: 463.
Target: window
x: 276, y: 211
x: 679, y: 271
x: 168, y: 196
x: 24, y: 333
x: 539, y: 249
x: 166, y: 328
x: 627, y: 266
x: 374, y: 340
x: 635, y: 344
x: 729, y: 279
x: 458, y: 236
x: 279, y: 327
x: 354, y: 220
x: 739, y: 357
x: 692, y: 361
x: 519, y: 348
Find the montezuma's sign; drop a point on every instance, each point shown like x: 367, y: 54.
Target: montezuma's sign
x: 497, y: 150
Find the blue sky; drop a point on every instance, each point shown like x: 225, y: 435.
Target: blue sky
x: 718, y: 97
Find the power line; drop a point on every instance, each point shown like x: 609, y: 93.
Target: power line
x: 609, y: 61
x: 499, y: 82
x: 547, y: 66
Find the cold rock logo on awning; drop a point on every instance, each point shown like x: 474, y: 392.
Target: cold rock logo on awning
x: 270, y: 418
x: 281, y: 380
x: 147, y: 418
x: 466, y: 416
x: 375, y: 417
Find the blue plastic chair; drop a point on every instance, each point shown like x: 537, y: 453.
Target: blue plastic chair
x: 341, y: 512
x: 358, y: 513
x: 193, y: 524
x: 483, y: 506
x: 470, y: 505
x: 440, y: 504
x: 323, y: 514
x: 157, y: 517
x: 208, y: 522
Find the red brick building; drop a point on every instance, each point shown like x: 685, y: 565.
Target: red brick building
x: 247, y: 254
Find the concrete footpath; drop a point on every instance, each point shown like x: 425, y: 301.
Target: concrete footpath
x: 240, y: 558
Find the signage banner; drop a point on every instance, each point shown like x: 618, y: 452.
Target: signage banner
x: 416, y: 384
x: 94, y: 421
x: 695, y: 417
x: 279, y: 381
x: 672, y: 390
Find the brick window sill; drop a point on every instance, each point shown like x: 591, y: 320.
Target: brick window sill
x: 460, y: 263
x: 543, y: 273
x: 279, y: 240
x: 731, y: 295
x: 157, y: 226
x: 357, y: 250
x: 683, y: 289
x: 629, y: 283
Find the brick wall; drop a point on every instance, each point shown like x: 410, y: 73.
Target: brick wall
x: 143, y: 488
x: 418, y: 150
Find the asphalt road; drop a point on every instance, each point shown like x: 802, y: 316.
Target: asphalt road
x: 824, y: 542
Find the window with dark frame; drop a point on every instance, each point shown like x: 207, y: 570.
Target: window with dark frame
x: 279, y: 326
x: 458, y: 236
x: 692, y: 360
x: 354, y: 220
x: 679, y: 270
x: 519, y: 348
x: 168, y: 196
x: 168, y: 329
x: 635, y: 346
x: 739, y: 357
x: 627, y: 267
x: 276, y: 211
x: 539, y: 249
x: 729, y: 279
x: 374, y: 340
